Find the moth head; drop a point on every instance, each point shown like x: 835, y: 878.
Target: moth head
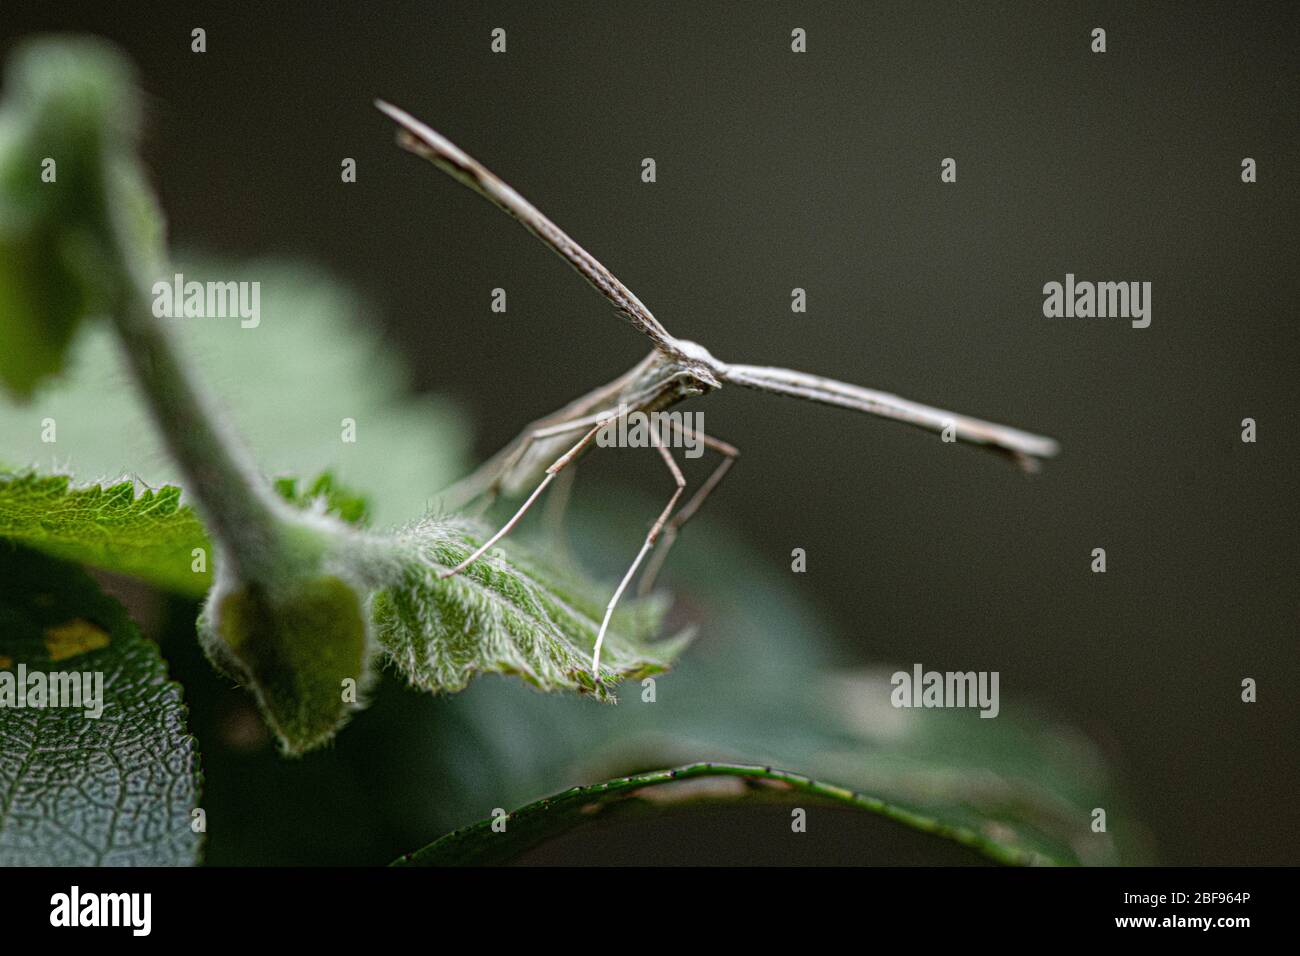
x: 700, y: 362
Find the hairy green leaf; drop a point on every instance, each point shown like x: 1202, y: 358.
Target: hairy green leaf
x: 507, y: 613
x: 144, y: 533
x: 141, y: 532
x: 480, y: 845
x: 117, y: 789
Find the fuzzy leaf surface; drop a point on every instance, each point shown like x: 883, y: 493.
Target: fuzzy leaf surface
x: 508, y: 613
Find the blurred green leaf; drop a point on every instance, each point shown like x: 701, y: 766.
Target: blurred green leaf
x: 328, y: 494
x: 68, y: 123
x: 287, y: 385
x: 113, y: 790
x: 757, y: 686
x: 41, y: 303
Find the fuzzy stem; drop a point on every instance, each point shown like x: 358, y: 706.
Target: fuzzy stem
x: 239, y: 506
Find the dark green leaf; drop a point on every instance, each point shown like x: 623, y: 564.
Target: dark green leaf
x: 481, y: 845
x: 75, y: 790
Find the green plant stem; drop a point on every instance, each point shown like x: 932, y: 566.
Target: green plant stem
x: 238, y: 504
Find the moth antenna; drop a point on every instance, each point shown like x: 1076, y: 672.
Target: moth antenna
x: 1023, y: 446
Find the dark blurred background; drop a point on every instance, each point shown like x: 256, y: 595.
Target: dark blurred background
x: 821, y: 171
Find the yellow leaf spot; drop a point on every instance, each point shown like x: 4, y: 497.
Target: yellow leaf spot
x: 75, y: 637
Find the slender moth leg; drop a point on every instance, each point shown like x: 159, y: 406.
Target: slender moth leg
x: 492, y: 489
x: 730, y: 453
x: 649, y: 543
x: 556, y: 467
